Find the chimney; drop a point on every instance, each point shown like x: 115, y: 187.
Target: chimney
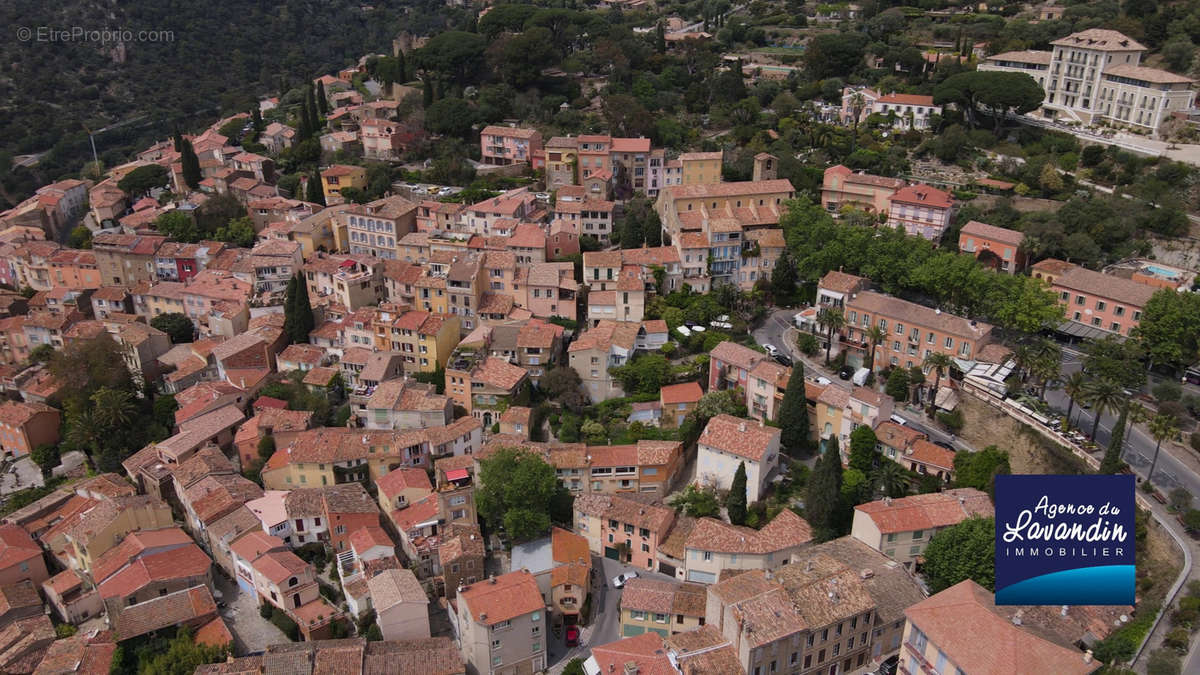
x: 631, y: 668
x: 866, y: 574
x: 808, y: 566
x: 742, y: 427
x: 1087, y: 656
x: 1017, y: 617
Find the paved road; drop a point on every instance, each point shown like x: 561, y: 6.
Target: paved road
x: 1169, y: 473
x: 775, y: 331
x: 606, y: 602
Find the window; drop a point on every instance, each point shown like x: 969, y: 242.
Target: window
x: 495, y: 644
x: 536, y: 616
x: 917, y: 534
x: 637, y: 615
x: 660, y: 618
x: 918, y: 639
x: 536, y: 647
x: 707, y: 555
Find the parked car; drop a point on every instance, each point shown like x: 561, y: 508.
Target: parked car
x: 846, y: 372
x: 619, y: 580
x: 572, y: 637
x: 783, y: 359
x: 943, y: 444
x: 771, y: 349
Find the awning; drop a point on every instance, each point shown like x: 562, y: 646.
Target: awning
x: 1085, y: 332
x: 947, y: 399
x: 456, y: 474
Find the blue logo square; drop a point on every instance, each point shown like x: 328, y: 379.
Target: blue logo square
x: 1065, y: 540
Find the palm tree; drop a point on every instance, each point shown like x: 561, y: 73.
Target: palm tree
x: 1162, y: 427
x: 889, y: 478
x: 114, y: 408
x: 1105, y: 396
x: 876, y: 335
x: 1073, y: 387
x: 940, y: 363
x: 832, y: 320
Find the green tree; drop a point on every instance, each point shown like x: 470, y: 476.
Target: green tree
x: 1110, y: 359
x: 182, y: 656
x: 374, y: 633
x: 239, y: 232
x: 696, y: 502
x: 874, y: 334
x: 449, y: 117
x: 824, y: 508
x: 1112, y: 462
x: 1162, y: 427
x: 646, y: 374
x: 41, y: 353
x: 735, y: 503
x: 45, y: 456
x: 562, y: 384
x: 890, y: 479
x: 191, y: 165
x: 178, y: 326
x: 960, y: 552
x: 322, y: 100
x: 518, y: 491
x: 1104, y: 396
x: 178, y: 226
x: 143, y: 179
x: 80, y: 237
x: 298, y: 320
x: 795, y: 436
x: 1073, y: 386
x: 1169, y: 329
x: 979, y: 469
x: 575, y: 665
x: 313, y: 192
x: 862, y: 449
x: 163, y: 410
x: 266, y: 447
x: 831, y: 320
x: 897, y: 384
x: 1000, y: 93
x: 784, y: 278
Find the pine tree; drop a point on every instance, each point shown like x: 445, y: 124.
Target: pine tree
x: 322, y: 101
x: 191, y: 166
x: 793, y: 416
x: 314, y: 193
x: 1112, y: 462
x: 289, y: 309
x: 824, y: 507
x: 735, y: 503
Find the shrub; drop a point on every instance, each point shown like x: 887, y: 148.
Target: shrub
x: 1177, y: 639
x: 265, y: 611
x: 807, y: 344
x: 1180, y: 499
x: 1167, y: 390
x: 1163, y: 662
x: 284, y: 623
x: 1191, y: 520
x: 1184, y: 617
x: 65, y: 630
x: 952, y: 420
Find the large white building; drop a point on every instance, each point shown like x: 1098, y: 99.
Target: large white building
x: 1094, y: 75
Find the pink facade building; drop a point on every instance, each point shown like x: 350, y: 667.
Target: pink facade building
x: 508, y: 145
x: 921, y: 210
x: 997, y: 247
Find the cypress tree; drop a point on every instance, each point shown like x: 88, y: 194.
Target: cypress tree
x: 305, y: 322
x: 322, y: 101
x: 314, y: 193
x: 178, y: 141
x: 793, y: 415
x: 427, y: 91
x: 289, y: 310
x: 660, y: 39
x: 823, y: 506
x: 256, y: 118
x: 314, y: 115
x: 1112, y: 462
x: 191, y: 166
x: 304, y: 127
x: 401, y: 67
x: 862, y: 449
x: 735, y: 503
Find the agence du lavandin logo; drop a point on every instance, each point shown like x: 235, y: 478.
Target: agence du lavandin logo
x: 1065, y: 540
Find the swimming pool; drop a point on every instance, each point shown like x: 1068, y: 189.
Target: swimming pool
x: 1161, y: 272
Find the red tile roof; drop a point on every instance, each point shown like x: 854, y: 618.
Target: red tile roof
x: 502, y: 598
x: 927, y: 511
x: 178, y: 563
x: 736, y: 436
x: 688, y: 392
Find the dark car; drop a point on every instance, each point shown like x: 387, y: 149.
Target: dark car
x: 783, y: 360
x: 572, y: 636
x: 943, y: 444
x: 846, y: 372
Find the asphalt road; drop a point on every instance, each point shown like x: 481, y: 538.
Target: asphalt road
x: 1169, y: 473
x: 774, y: 331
